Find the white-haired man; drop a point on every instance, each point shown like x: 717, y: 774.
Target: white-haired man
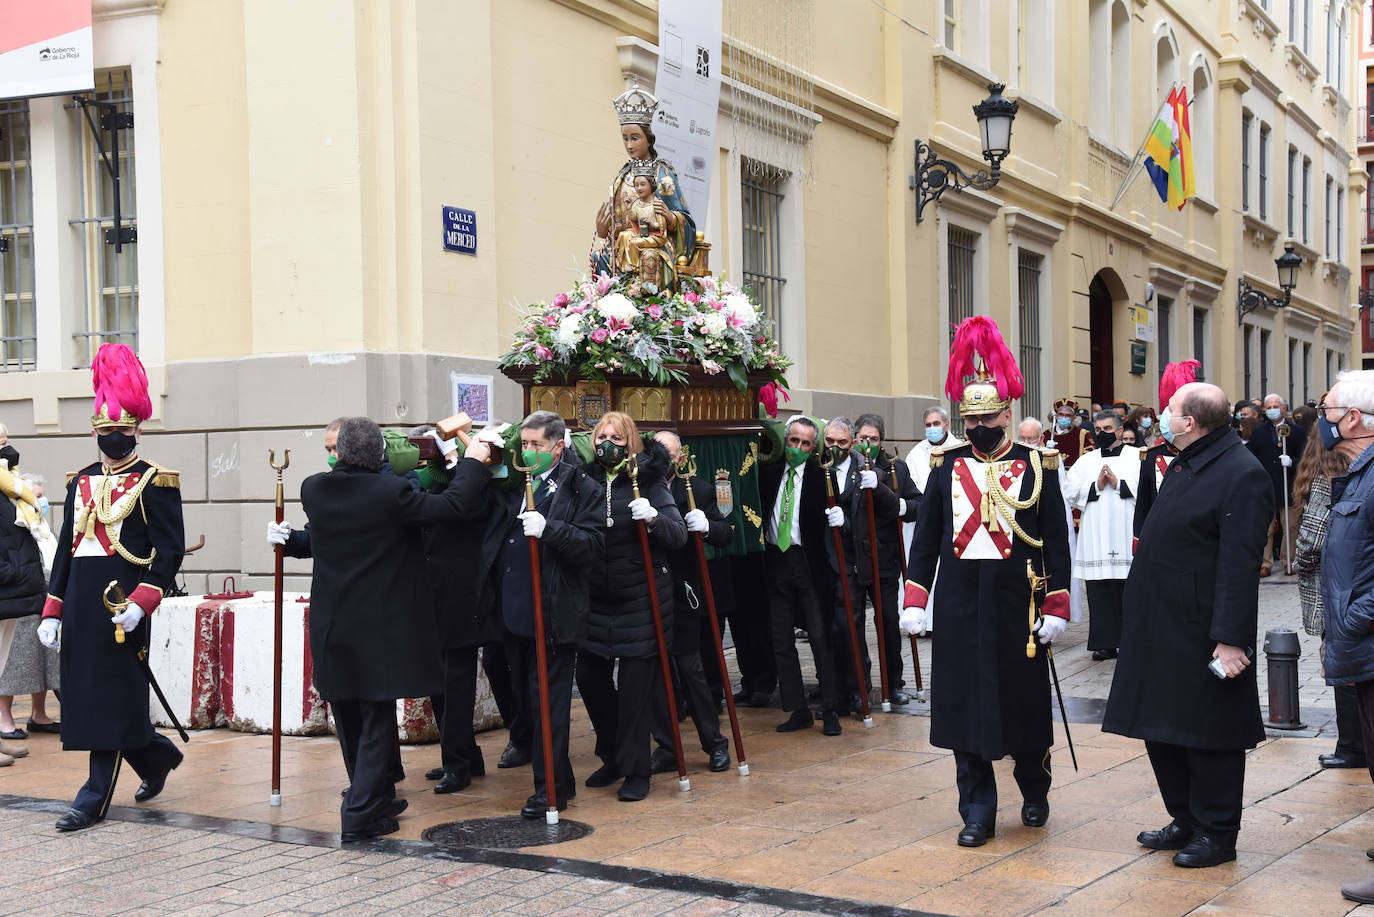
x: 1028, y: 432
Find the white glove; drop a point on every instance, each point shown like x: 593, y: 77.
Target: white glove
x: 868, y: 479
x: 129, y: 617
x: 447, y: 448
x: 915, y: 621
x: 641, y: 510
x: 1286, y: 461
x: 696, y: 522
x: 47, y: 633
x: 835, y: 517
x: 278, y: 532
x: 492, y: 433
x: 534, y: 524
x: 901, y: 506
x: 1050, y: 628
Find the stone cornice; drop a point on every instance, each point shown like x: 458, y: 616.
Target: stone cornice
x: 118, y: 9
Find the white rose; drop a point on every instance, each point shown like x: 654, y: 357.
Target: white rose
x: 739, y: 306
x: 714, y: 324
x: 570, y: 330
x: 617, y: 306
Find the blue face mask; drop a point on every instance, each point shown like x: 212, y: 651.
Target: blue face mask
x: 1330, y: 433
x: 935, y: 434
x: 42, y: 506
x: 1063, y: 423
x: 1146, y: 423
x: 1273, y: 414
x: 1165, y: 418
x: 1239, y: 416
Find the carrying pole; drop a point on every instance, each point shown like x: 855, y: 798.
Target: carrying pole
x: 915, y: 652
x: 877, y: 595
x: 828, y: 468
x: 278, y: 587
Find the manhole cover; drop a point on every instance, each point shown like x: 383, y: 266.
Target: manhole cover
x: 508, y: 832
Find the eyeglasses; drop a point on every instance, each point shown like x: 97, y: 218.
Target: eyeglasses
x: 1324, y: 407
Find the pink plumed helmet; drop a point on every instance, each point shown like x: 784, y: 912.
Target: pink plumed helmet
x: 1174, y: 377
x: 121, y: 388
x: 979, y: 351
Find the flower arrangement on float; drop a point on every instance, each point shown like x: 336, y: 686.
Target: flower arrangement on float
x: 625, y: 326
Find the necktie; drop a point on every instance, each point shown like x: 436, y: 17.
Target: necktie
x: 785, y: 521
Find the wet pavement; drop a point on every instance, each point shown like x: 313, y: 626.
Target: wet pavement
x: 860, y: 823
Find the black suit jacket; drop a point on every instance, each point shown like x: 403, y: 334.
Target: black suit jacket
x: 812, y: 522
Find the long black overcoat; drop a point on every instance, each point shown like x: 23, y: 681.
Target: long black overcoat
x: 687, y: 568
x: 373, y: 631
x: 1194, y: 583
x: 990, y: 698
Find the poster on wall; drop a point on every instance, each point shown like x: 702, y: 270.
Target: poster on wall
x: 688, y: 90
x: 472, y: 395
x: 45, y: 48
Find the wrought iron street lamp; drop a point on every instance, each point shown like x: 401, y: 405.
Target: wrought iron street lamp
x: 934, y: 176
x: 1248, y: 299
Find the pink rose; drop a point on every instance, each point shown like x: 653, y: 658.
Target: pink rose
x: 551, y: 321
x: 677, y: 323
x: 600, y: 335
x: 692, y: 299
x: 560, y: 300
x: 542, y: 353
x: 655, y: 312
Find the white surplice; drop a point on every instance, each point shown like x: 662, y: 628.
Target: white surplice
x: 1105, y: 531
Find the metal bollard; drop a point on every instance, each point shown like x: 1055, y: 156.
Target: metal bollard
x: 1281, y: 648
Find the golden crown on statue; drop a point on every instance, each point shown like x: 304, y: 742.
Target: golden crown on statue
x: 635, y: 106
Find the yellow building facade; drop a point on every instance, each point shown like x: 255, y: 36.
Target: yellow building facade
x: 290, y: 162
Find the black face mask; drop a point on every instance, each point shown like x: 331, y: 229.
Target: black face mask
x: 116, y: 445
x: 11, y: 455
x: 985, y: 439
x: 1104, y: 440
x: 838, y: 454
x: 609, y: 454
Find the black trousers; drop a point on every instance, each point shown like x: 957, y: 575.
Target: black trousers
x: 367, y: 738
x: 748, y: 617
x: 524, y: 668
x: 1202, y: 787
x: 1349, y: 728
x: 978, y: 784
x: 458, y: 750
x: 790, y: 593
x: 620, y: 706
x: 153, y: 761
x: 517, y: 712
x: 691, y: 684
x: 1105, y: 597
x: 892, y: 642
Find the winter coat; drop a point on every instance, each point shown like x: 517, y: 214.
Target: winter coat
x: 23, y: 587
x: 1348, y: 576
x: 620, y: 623
x: 1194, y: 583
x: 689, y: 591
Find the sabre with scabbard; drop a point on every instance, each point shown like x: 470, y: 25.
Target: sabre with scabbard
x: 828, y: 468
x: 116, y: 605
x: 683, y: 783
x: 541, y: 658
x: 699, y: 540
x: 1037, y: 584
x: 279, y: 584
x: 877, y: 590
x: 915, y: 652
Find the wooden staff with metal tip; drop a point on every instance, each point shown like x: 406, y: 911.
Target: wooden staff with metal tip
x: 683, y: 783
x: 278, y: 587
x: 827, y: 467
x: 877, y: 593
x: 541, y: 657
x: 699, y: 541
x: 915, y: 651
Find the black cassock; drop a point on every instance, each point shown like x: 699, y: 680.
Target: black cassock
x: 104, y: 690
x: 1194, y: 583
x: 987, y: 697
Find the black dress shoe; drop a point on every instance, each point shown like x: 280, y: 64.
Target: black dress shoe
x: 830, y: 723
x: 604, y: 775
x: 1339, y: 760
x: 900, y: 698
x: 1101, y: 655
x: 1035, y: 814
x: 537, y: 806
x: 434, y: 773
x: 1202, y: 851
x: 150, y: 788
x: 75, y: 820
x: 633, y: 789
x: 800, y: 719
x: 514, y: 756
x: 452, y: 782
x: 975, y: 835
x: 1172, y: 836
x: 397, y: 807
x: 661, y: 762
x: 759, y: 699
x: 383, y: 825
x: 720, y: 760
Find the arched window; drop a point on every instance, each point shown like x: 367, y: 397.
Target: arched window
x: 1121, y: 75
x: 1200, y: 120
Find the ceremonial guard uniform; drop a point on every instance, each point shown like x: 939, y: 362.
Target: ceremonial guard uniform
x: 1070, y: 443
x: 121, y: 523
x: 990, y: 518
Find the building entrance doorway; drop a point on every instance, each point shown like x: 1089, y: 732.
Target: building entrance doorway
x: 1101, y: 313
